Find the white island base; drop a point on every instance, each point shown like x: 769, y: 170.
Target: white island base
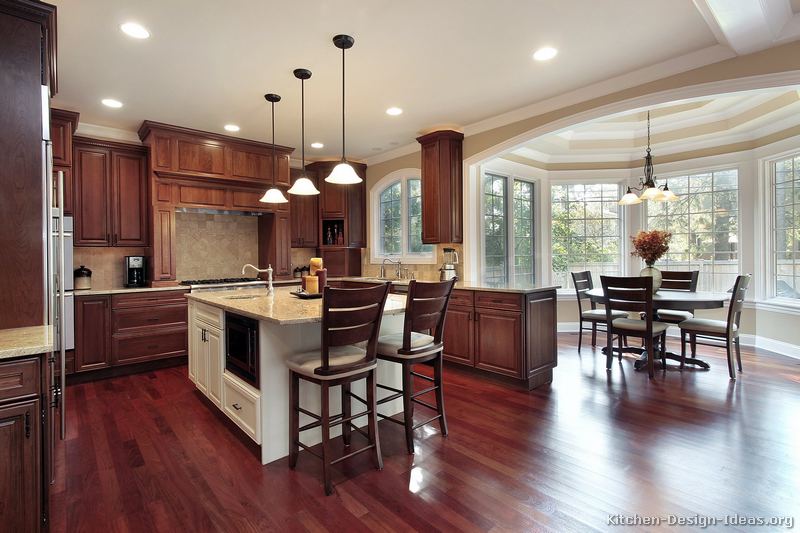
x: 263, y: 414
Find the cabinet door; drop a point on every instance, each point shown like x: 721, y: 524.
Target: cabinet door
x: 68, y: 189
x: 283, y: 245
x: 201, y: 359
x: 92, y: 192
x: 459, y: 336
x: 20, y: 467
x: 195, y: 334
x: 92, y: 333
x: 498, y: 341
x: 356, y: 215
x: 61, y: 135
x: 305, y: 219
x: 129, y: 199
x: 332, y: 199
x: 216, y: 363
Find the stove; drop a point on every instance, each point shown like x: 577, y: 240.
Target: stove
x: 218, y: 284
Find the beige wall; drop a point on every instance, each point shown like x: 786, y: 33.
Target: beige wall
x: 214, y: 246
x: 106, y: 264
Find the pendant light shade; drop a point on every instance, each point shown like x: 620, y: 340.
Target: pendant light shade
x: 303, y: 186
x: 651, y: 193
x: 273, y: 194
x: 343, y: 173
x: 668, y: 196
x: 630, y: 198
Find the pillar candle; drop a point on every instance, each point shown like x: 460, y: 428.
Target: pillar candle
x: 322, y: 274
x: 315, y: 263
x: 312, y: 284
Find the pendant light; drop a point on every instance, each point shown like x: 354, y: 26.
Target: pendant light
x: 650, y: 191
x: 303, y: 186
x: 343, y: 173
x: 273, y: 194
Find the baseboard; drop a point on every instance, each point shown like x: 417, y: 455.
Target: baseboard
x: 765, y: 343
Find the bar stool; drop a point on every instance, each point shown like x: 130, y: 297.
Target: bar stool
x: 420, y: 343
x: 351, y: 322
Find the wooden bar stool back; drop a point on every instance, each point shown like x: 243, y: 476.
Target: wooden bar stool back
x: 634, y: 295
x: 583, y: 284
x: 351, y: 321
x: 420, y: 343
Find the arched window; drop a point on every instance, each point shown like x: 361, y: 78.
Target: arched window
x: 397, y: 216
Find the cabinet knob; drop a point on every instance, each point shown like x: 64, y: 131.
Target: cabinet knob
x: 237, y: 407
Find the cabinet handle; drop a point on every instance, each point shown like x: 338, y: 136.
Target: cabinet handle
x: 204, y: 335
x: 237, y: 407
x: 27, y: 424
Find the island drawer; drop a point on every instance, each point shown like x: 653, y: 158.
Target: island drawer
x: 135, y: 348
x: 19, y: 378
x: 142, y: 317
x: 462, y: 297
x: 212, y: 316
x: 147, y: 299
x: 499, y: 300
x: 242, y: 405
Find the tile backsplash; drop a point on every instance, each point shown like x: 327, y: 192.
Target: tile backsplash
x: 106, y: 264
x: 424, y: 272
x: 214, y: 246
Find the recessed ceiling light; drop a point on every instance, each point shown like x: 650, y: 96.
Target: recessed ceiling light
x: 137, y: 31
x: 545, y: 53
x: 232, y: 127
x: 394, y: 111
x: 110, y: 102
x: 317, y: 145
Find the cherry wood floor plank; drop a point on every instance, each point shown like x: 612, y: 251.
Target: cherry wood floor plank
x: 148, y: 452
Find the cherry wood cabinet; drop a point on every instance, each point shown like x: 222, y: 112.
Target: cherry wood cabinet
x: 442, y: 187
x: 343, y: 202
x: 274, y: 244
x: 20, y: 466
x: 62, y: 127
x: 110, y: 194
x: 506, y: 334
x: 341, y: 261
x: 305, y: 216
x: 92, y: 332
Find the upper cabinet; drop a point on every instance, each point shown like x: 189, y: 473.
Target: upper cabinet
x: 110, y: 194
x: 442, y: 161
x: 185, y: 153
x: 305, y: 216
x: 62, y: 127
x: 343, y: 202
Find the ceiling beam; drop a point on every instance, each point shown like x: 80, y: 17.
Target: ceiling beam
x: 748, y: 26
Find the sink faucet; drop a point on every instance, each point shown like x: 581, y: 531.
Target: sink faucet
x: 398, y: 269
x: 268, y: 270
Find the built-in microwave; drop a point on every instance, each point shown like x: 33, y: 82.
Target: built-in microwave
x: 241, y: 347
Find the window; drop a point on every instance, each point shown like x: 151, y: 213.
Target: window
x: 586, y: 230
x: 508, y: 239
x: 398, y: 219
x: 786, y: 228
x: 704, y: 225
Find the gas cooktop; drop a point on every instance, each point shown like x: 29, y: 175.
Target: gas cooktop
x: 218, y: 281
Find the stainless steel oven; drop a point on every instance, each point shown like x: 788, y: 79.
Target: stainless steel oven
x: 241, y: 347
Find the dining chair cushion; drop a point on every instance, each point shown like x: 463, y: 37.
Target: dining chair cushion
x: 305, y: 363
x: 674, y: 315
x: 600, y: 314
x: 392, y: 343
x: 639, y: 326
x: 705, y: 325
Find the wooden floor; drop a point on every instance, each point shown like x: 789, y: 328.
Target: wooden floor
x: 146, y: 453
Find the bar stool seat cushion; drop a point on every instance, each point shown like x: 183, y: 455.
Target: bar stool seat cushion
x: 639, y: 326
x: 392, y: 343
x: 305, y: 363
x: 600, y: 314
x: 674, y: 315
x: 704, y: 325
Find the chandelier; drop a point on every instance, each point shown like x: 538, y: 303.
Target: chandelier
x: 647, y: 185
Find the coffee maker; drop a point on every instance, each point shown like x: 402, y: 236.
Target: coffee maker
x: 448, y: 270
x: 135, y: 273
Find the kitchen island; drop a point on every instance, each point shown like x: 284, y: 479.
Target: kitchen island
x: 285, y: 325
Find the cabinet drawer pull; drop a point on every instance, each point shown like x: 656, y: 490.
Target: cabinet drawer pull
x: 237, y: 407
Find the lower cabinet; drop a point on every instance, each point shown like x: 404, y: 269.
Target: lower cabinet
x: 92, y: 332
x: 506, y: 334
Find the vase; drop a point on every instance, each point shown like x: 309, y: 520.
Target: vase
x: 653, y: 272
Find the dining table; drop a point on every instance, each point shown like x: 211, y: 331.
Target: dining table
x: 676, y: 300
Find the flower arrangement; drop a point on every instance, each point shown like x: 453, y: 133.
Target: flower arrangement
x: 651, y: 245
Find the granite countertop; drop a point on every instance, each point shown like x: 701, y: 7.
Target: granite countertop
x: 123, y: 290
x: 25, y: 341
x: 281, y: 307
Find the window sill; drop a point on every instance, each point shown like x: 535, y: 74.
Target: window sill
x: 779, y: 305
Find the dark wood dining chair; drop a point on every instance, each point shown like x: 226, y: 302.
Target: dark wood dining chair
x: 596, y: 317
x: 351, y: 322
x: 677, y: 280
x: 635, y: 295
x: 719, y: 330
x: 420, y: 343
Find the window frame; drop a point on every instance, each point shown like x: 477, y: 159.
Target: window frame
x: 508, y: 207
x: 767, y: 218
x: 376, y: 257
x: 623, y: 221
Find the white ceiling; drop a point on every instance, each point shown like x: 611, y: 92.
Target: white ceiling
x: 676, y: 127
x: 208, y: 63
